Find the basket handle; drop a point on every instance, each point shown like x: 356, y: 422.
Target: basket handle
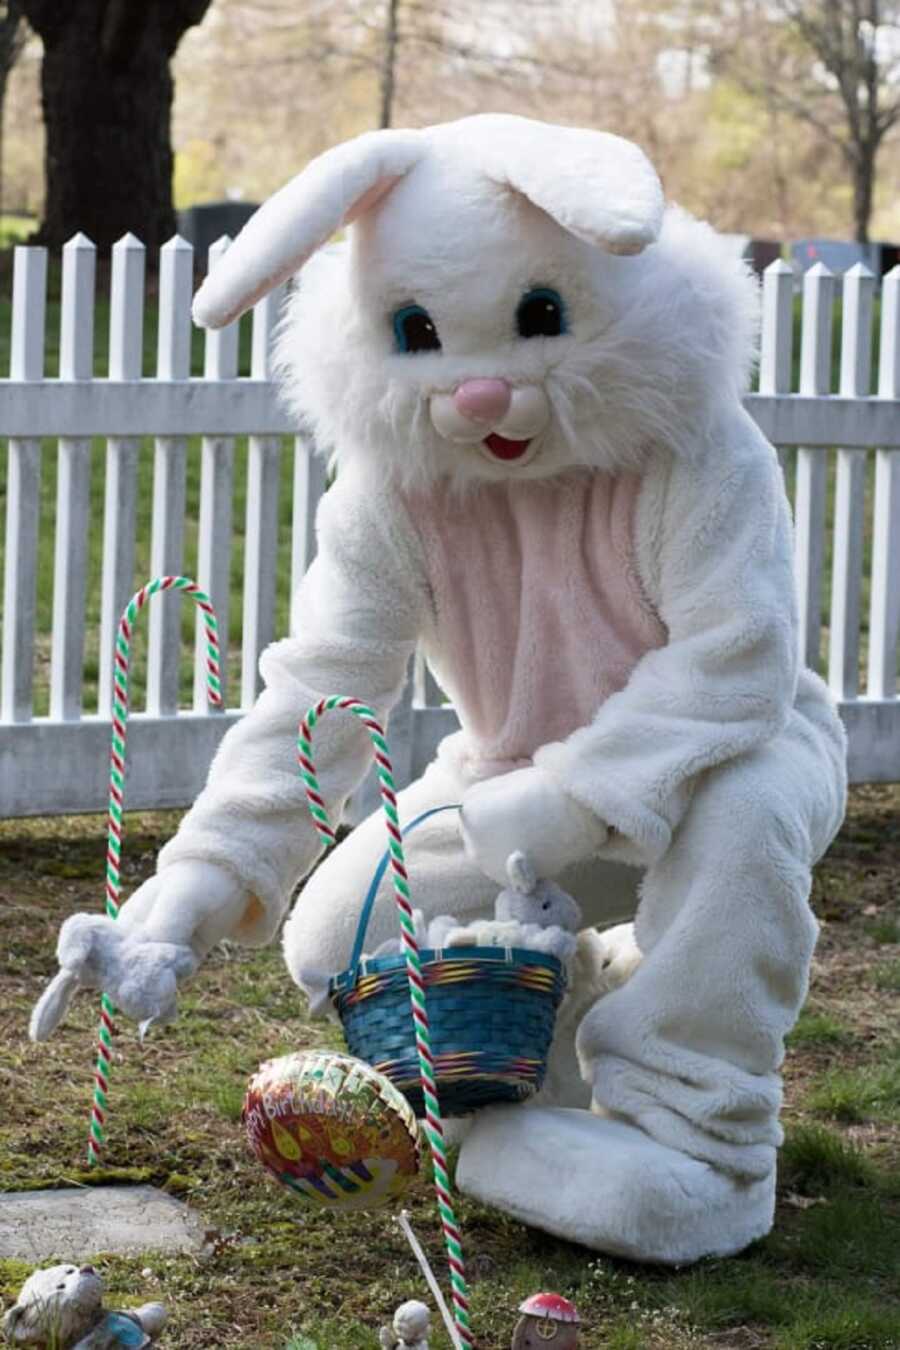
x: 369, y: 902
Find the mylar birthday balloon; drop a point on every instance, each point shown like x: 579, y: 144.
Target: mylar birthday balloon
x: 334, y: 1131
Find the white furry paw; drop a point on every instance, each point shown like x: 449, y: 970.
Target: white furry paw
x: 527, y: 807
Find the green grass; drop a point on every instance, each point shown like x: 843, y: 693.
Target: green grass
x: 887, y: 977
x: 827, y: 1276
x: 871, y: 1092
x: 814, y: 1161
x: 819, y: 1028
x: 15, y: 230
x: 884, y: 931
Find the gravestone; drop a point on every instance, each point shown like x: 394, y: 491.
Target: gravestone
x: 757, y: 252
x: 73, y: 1223
x: 201, y: 226
x: 838, y: 255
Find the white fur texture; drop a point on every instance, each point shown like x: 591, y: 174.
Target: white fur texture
x: 621, y: 385
x: 59, y: 1301
x: 601, y: 189
x: 611, y: 1187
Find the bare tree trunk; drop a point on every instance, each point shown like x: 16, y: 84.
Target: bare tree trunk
x: 863, y: 167
x: 106, y: 89
x: 389, y: 66
x: 11, y: 42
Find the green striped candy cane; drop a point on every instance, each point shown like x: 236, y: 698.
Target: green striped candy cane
x: 433, y: 1124
x: 96, y: 1137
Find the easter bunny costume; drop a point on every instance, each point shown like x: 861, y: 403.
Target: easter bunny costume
x: 529, y: 371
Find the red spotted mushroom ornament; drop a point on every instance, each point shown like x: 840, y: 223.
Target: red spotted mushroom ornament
x: 547, y: 1320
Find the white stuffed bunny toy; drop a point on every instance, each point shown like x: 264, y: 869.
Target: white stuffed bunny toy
x: 62, y: 1307
x: 529, y: 373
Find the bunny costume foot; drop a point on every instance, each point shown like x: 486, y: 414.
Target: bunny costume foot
x: 530, y: 374
x: 609, y: 1186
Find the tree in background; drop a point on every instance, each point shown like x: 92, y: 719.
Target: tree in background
x: 12, y: 39
x: 106, y: 91
x: 833, y: 65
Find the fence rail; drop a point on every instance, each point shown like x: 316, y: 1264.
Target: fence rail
x: 840, y: 450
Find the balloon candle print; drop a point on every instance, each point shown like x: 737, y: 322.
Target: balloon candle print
x: 331, y: 1129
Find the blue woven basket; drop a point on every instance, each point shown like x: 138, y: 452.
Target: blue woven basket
x: 491, y: 1011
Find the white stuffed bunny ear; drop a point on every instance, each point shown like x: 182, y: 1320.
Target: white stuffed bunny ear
x: 51, y: 1007
x: 599, y: 187
x: 330, y: 192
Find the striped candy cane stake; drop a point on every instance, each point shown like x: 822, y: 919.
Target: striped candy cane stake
x: 433, y: 1124
x: 116, y: 789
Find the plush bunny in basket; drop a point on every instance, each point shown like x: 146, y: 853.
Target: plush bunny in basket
x: 530, y: 373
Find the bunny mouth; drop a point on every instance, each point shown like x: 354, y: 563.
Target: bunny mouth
x: 501, y: 447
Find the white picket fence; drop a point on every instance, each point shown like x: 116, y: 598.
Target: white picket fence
x: 56, y: 762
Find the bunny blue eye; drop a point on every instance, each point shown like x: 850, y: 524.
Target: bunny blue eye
x: 415, y: 331
x: 541, y: 313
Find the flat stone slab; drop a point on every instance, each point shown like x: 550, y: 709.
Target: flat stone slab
x: 73, y: 1223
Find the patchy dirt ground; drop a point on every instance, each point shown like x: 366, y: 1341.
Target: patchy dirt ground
x: 828, y: 1278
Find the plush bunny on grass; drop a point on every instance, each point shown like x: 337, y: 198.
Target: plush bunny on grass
x: 530, y: 372
x: 61, y: 1308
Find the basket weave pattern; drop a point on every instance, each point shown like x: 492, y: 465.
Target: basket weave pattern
x: 492, y: 1013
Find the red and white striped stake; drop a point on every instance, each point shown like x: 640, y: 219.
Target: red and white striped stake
x: 96, y: 1137
x: 433, y: 1124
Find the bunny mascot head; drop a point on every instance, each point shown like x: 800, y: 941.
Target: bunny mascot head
x: 468, y: 238
x: 530, y: 374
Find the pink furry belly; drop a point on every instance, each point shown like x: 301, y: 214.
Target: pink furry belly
x: 539, y: 615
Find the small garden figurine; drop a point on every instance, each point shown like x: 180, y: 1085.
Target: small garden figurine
x: 547, y: 1320
x: 410, y: 1328
x: 62, y: 1307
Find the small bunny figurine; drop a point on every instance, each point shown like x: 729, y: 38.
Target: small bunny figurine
x: 538, y: 915
x: 410, y: 1328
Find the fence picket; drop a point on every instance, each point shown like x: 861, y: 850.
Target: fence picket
x: 884, y: 614
x: 884, y: 609
x: 23, y: 488
x: 220, y: 362
x: 849, y: 504
x: 73, y: 488
x: 126, y: 343
x: 889, y: 363
x: 809, y: 502
x: 777, y: 329
x: 777, y: 334
x: 173, y: 362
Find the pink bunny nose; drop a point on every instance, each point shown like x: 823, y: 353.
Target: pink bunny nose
x: 483, y: 400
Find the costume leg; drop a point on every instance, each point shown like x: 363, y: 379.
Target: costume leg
x: 686, y: 1053
x: 318, y: 936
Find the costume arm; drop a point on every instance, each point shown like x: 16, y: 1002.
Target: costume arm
x: 716, y: 548
x: 361, y: 608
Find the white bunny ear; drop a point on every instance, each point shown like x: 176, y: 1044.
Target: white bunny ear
x: 333, y: 190
x: 599, y: 187
x: 51, y: 1007
x: 520, y: 872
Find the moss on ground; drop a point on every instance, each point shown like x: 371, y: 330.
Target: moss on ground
x: 271, y: 1275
